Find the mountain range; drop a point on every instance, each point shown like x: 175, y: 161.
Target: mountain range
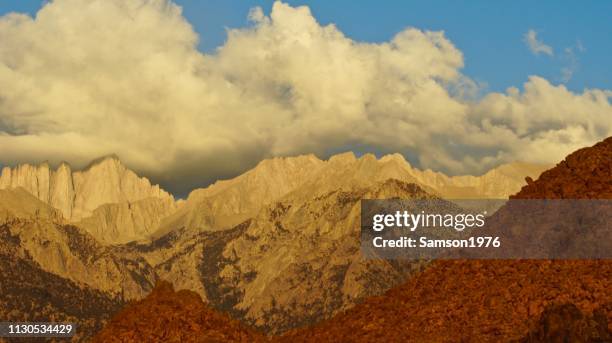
x: 117, y: 206
x: 449, y: 301
x: 276, y: 247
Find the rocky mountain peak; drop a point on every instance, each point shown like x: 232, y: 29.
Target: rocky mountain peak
x: 106, y: 159
x: 343, y: 158
x: 396, y: 158
x: 78, y: 193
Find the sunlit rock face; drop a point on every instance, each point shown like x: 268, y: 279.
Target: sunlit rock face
x: 78, y: 193
x: 109, y: 200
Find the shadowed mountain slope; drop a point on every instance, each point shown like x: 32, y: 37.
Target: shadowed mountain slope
x: 69, y: 252
x: 30, y: 293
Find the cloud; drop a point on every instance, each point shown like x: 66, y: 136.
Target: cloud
x: 571, y: 60
x: 567, y: 72
x: 537, y: 46
x: 89, y: 78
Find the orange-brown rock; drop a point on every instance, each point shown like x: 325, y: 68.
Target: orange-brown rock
x: 584, y: 174
x: 166, y: 315
x: 566, y: 323
x: 468, y: 301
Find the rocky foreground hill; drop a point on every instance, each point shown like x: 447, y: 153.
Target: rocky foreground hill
x: 167, y: 315
x: 484, y: 301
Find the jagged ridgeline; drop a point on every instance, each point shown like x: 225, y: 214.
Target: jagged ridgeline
x: 276, y: 247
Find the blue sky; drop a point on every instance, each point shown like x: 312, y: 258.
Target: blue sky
x: 490, y: 34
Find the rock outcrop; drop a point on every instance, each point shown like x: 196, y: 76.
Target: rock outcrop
x: 169, y: 316
x: 585, y: 174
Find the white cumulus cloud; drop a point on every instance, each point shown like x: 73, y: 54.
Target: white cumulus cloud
x: 88, y: 78
x: 537, y: 46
